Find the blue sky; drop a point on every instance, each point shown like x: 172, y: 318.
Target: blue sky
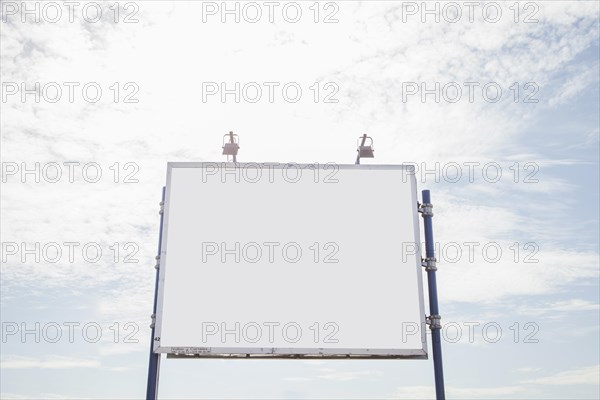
x: 164, y: 59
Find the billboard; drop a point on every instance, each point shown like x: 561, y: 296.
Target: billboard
x: 290, y: 260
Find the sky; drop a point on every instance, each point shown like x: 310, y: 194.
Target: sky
x: 494, y: 103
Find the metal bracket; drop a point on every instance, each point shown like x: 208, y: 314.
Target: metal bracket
x: 157, y: 258
x: 153, y: 317
x: 434, y: 322
x: 162, y: 207
x: 425, y: 209
x: 429, y: 263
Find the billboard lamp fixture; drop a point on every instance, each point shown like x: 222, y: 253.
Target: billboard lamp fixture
x: 231, y: 145
x: 365, y: 148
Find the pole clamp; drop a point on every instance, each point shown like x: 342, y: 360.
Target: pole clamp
x: 426, y: 209
x: 157, y: 258
x: 162, y: 207
x: 434, y: 321
x: 429, y: 263
x: 153, y: 318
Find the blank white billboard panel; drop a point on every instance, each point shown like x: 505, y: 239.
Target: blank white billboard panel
x: 290, y: 259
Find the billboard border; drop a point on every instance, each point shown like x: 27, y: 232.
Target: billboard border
x: 279, y: 352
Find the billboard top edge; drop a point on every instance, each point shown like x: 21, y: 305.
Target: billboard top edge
x: 202, y: 164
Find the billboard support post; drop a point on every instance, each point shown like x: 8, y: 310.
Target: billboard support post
x: 154, y: 359
x: 429, y: 262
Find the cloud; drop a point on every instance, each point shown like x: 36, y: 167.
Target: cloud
x: 558, y: 307
x: 428, y: 392
x: 484, y: 392
x: 41, y: 396
x: 47, y: 362
x: 297, y: 379
x: 526, y: 370
x: 582, y: 376
x: 583, y: 78
x: 333, y: 375
x: 472, y: 282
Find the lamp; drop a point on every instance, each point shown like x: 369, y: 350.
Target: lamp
x: 365, y: 149
x: 231, y: 145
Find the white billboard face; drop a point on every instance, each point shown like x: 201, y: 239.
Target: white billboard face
x: 290, y: 260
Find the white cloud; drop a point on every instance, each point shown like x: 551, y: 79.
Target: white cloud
x: 526, y: 370
x: 582, y: 376
x: 428, y: 392
x: 558, y: 307
x: 580, y: 80
x: 488, y: 282
x: 333, y: 375
x: 47, y: 362
x: 40, y: 396
x: 484, y: 392
x: 297, y: 379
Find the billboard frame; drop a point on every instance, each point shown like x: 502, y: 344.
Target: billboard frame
x: 288, y: 352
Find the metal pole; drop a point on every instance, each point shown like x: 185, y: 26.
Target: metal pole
x: 154, y: 360
x: 364, y: 139
x: 232, y: 141
x: 434, y: 318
